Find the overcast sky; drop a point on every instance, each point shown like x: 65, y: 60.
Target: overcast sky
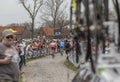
x: 12, y: 12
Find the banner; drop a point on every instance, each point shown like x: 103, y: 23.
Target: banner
x: 74, y: 5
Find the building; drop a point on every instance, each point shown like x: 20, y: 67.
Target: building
x: 57, y: 33
x: 21, y: 31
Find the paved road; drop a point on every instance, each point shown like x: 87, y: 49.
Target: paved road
x: 48, y: 70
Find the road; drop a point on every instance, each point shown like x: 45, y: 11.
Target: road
x: 48, y: 69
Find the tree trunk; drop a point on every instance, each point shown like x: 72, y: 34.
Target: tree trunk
x: 32, y: 28
x: 106, y: 10
x: 89, y: 52
x: 96, y: 25
x: 54, y: 25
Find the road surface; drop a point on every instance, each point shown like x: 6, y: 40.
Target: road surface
x: 48, y: 69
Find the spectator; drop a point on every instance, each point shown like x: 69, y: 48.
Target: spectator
x: 62, y: 44
x: 28, y: 49
x: 67, y: 48
x: 53, y: 46
x: 22, y: 55
x: 9, y: 59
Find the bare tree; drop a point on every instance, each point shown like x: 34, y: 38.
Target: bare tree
x: 13, y: 24
x: 32, y: 10
x: 61, y: 22
x: 27, y: 25
x: 54, y: 13
x: 47, y: 23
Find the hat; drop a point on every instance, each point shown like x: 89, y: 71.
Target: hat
x: 7, y: 32
x: 13, y: 31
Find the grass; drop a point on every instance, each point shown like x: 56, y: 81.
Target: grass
x: 100, y: 70
x: 71, y: 65
x: 21, y: 78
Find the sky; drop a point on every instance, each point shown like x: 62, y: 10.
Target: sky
x: 11, y: 11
